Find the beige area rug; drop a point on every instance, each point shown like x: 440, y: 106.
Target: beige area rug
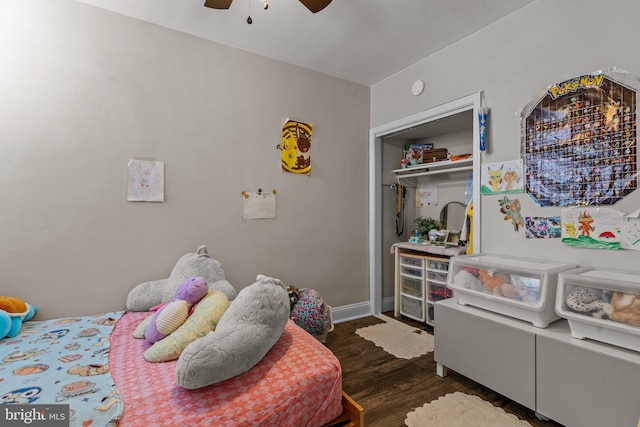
x: 397, y: 338
x: 461, y: 410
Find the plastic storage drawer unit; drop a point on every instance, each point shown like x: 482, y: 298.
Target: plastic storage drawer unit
x: 412, y: 308
x: 411, y: 261
x: 412, y: 287
x: 521, y: 288
x: 600, y: 304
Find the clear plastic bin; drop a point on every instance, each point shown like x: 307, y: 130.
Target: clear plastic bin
x: 437, y: 293
x: 411, y: 261
x: 411, y: 272
x: 438, y: 265
x: 411, y: 287
x: 601, y: 304
x: 521, y: 288
x: 412, y: 308
x: 438, y: 277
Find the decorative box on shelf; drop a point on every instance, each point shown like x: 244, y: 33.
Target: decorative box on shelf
x: 435, y: 155
x: 413, y: 153
x: 600, y: 304
x: 521, y: 288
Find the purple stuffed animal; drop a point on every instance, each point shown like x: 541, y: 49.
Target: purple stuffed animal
x: 171, y: 315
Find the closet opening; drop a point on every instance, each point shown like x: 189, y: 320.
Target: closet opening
x: 392, y: 207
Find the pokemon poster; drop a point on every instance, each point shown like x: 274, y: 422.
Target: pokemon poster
x: 579, y: 142
x: 295, y: 147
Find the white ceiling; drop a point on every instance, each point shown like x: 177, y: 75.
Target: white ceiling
x: 364, y: 41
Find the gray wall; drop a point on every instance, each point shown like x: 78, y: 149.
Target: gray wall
x: 84, y: 90
x: 513, y: 61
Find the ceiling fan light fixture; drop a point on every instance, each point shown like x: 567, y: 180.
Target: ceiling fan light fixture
x: 315, y: 6
x: 218, y: 4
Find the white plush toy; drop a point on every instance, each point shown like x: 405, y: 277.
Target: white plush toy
x: 467, y: 280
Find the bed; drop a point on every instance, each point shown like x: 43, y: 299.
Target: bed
x: 93, y: 364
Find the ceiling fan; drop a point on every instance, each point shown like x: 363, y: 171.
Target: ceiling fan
x: 313, y: 5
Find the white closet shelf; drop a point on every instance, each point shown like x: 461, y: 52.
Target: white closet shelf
x: 446, y: 166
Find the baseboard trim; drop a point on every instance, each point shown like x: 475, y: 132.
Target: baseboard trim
x: 350, y: 312
x: 388, y: 304
x: 356, y: 311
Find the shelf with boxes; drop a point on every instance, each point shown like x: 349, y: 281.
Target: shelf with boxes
x: 444, y: 166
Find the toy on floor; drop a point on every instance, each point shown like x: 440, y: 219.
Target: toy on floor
x: 13, y: 312
x: 172, y: 315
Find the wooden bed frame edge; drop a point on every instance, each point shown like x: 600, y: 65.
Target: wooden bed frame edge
x: 352, y: 414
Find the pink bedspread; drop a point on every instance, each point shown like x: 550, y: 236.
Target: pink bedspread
x: 298, y: 383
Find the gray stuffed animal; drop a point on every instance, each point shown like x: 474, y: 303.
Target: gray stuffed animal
x: 198, y: 264
x: 248, y: 329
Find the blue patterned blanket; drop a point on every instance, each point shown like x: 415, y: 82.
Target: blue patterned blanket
x: 63, y: 361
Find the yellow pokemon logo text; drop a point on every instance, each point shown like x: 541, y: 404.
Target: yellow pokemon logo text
x: 573, y: 85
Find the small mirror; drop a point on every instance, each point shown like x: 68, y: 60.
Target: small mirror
x: 452, y: 216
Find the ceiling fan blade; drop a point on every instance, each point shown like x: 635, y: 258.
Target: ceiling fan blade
x: 218, y: 4
x: 315, y: 5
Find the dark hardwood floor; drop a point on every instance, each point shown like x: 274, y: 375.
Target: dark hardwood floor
x: 388, y: 388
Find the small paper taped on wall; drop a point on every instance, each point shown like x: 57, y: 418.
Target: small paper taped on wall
x: 259, y: 205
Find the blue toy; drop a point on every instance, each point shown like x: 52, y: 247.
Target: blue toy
x: 14, y: 311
